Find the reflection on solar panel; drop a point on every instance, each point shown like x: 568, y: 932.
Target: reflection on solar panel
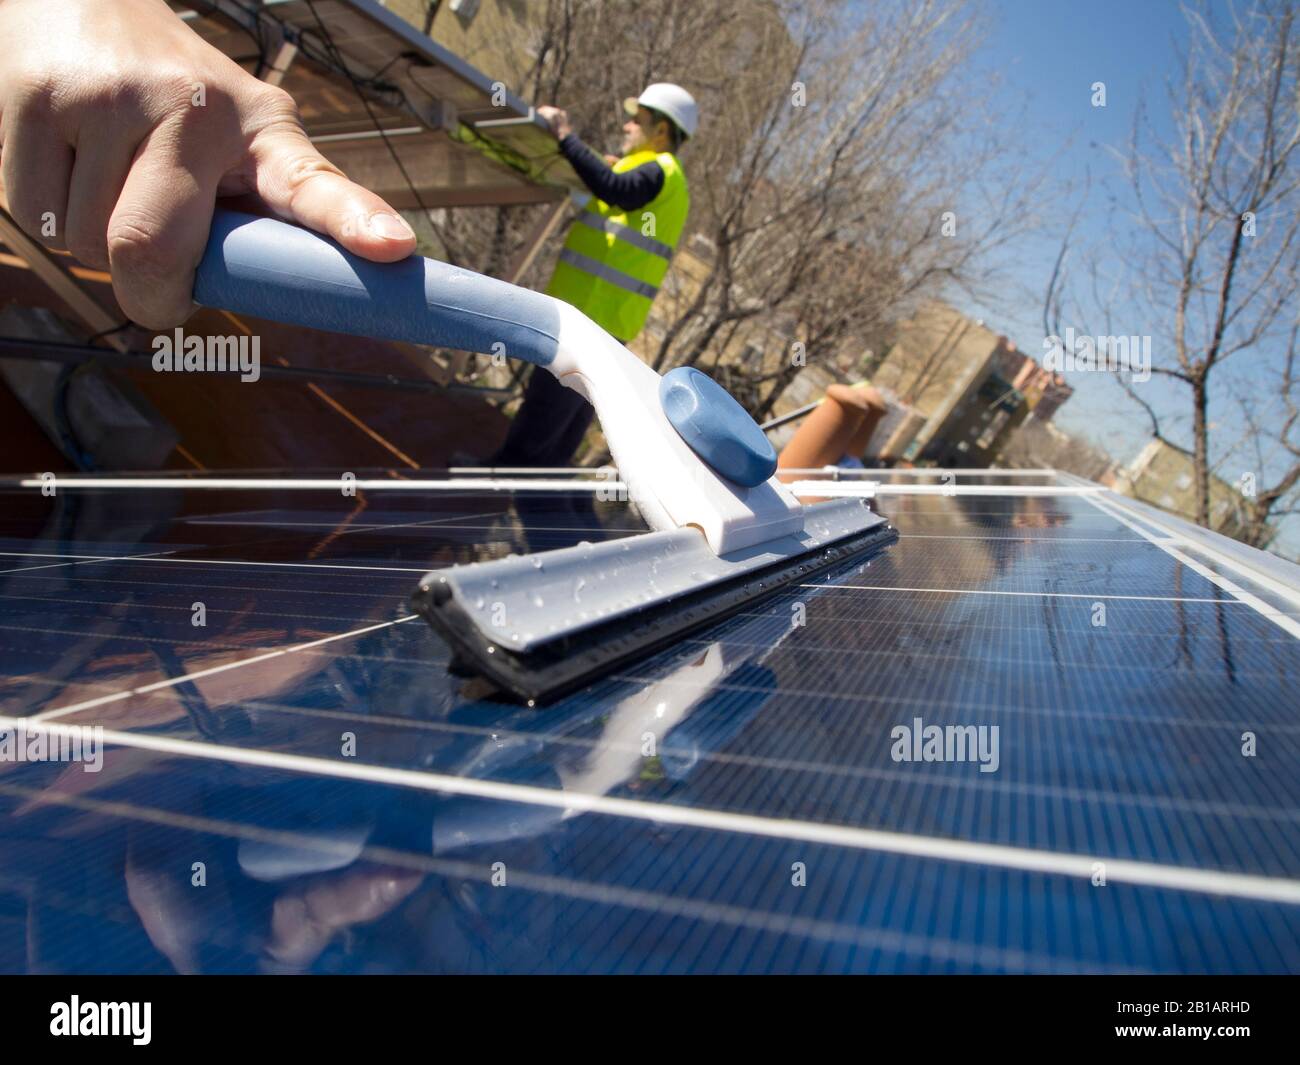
x: 1112, y: 785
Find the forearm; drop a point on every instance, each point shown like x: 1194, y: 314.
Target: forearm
x: 630, y: 190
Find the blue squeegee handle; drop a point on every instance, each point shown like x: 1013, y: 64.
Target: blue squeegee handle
x: 284, y: 273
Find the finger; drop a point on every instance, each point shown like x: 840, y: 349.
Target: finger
x: 157, y: 233
x: 301, y: 185
x: 305, y: 919
x: 102, y: 162
x: 36, y: 163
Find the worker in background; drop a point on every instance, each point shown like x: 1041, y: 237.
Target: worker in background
x: 614, y: 258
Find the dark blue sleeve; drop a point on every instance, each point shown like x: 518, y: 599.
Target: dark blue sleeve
x: 629, y: 190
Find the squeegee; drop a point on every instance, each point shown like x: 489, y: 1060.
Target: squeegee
x: 725, y: 533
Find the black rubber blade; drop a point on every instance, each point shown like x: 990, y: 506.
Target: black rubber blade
x: 550, y: 670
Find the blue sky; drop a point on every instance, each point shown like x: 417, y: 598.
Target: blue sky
x: 1048, y: 53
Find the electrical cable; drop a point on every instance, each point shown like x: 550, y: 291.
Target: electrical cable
x: 342, y: 65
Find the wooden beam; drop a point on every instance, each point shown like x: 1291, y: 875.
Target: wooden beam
x: 83, y: 273
x: 546, y: 225
x: 58, y: 278
x: 420, y: 359
x: 470, y: 196
x: 278, y: 69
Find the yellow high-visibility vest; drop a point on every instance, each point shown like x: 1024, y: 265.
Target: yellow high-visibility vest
x: 613, y: 261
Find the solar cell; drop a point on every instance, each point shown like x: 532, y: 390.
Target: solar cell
x: 764, y: 797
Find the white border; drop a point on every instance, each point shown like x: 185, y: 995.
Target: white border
x: 1026, y: 859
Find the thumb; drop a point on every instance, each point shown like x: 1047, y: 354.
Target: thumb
x: 299, y: 184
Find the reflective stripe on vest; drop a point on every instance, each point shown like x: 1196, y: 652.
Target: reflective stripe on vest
x: 626, y: 234
x: 614, y: 260
x: 607, y: 273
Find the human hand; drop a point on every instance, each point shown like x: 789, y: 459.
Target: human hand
x: 119, y: 128
x: 557, y: 119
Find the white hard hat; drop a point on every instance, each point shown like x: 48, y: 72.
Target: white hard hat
x: 671, y: 100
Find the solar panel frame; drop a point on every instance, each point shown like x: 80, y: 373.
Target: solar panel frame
x: 430, y: 119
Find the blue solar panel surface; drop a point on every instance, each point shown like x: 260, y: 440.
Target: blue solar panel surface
x: 297, y: 783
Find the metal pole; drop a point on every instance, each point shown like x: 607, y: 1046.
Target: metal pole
x: 785, y: 419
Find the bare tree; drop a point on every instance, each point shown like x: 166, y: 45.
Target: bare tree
x: 1214, y: 249
x: 1040, y: 445
x: 1270, y: 420
x: 834, y: 193
x: 844, y: 173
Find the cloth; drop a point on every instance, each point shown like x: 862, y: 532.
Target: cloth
x: 629, y: 190
x: 548, y: 427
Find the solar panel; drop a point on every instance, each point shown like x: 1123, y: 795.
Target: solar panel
x: 460, y: 136
x: 1111, y: 787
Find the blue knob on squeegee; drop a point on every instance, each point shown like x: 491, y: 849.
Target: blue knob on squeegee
x: 716, y: 427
